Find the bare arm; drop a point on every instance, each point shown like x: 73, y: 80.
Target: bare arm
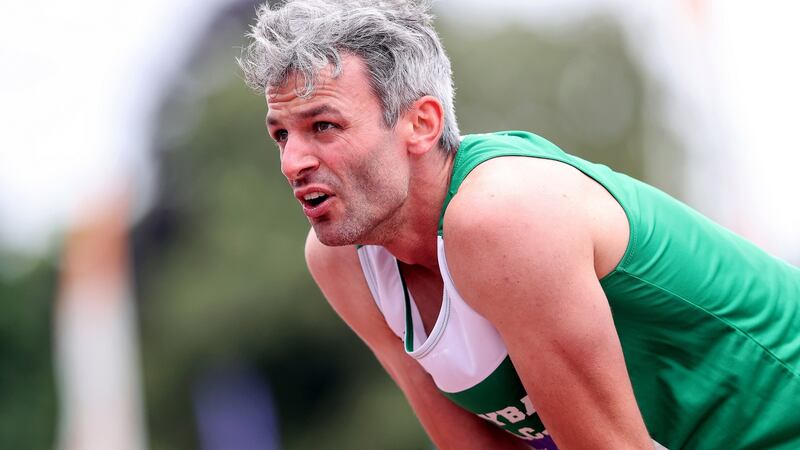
x: 531, y: 229
x: 338, y: 273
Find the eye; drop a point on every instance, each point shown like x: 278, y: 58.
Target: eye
x: 281, y: 136
x: 323, y: 126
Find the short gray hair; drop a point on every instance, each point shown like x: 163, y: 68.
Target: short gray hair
x: 395, y: 39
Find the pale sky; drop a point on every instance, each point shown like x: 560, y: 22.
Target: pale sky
x: 80, y: 82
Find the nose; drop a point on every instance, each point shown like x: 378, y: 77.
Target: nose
x: 297, y: 159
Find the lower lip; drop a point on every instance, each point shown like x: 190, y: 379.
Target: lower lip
x: 315, y: 212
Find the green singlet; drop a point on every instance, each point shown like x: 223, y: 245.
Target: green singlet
x: 709, y: 323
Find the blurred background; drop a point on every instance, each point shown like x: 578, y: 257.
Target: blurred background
x: 153, y: 293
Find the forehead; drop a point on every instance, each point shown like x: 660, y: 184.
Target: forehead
x: 351, y: 86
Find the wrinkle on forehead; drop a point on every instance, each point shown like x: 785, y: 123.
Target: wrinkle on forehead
x: 296, y: 80
x: 352, y: 84
x: 305, y: 90
x: 286, y: 99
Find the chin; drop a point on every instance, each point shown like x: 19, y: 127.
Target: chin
x: 331, y: 237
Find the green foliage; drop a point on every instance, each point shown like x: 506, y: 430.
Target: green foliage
x: 27, y: 390
x: 579, y: 89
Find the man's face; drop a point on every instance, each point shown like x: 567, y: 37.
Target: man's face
x: 346, y: 168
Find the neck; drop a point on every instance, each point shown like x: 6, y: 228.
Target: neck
x: 413, y: 240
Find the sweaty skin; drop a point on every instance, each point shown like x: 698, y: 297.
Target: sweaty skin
x: 519, y: 224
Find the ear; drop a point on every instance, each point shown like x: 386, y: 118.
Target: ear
x: 424, y: 124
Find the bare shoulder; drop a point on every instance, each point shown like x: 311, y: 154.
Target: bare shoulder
x: 518, y: 193
x: 337, y: 271
x: 551, y: 209
x: 331, y: 265
x: 523, y: 238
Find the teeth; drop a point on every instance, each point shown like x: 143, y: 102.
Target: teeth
x: 312, y: 196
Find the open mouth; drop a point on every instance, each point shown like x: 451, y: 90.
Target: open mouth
x: 315, y: 199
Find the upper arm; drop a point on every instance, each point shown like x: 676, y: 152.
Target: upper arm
x: 338, y: 273
x: 529, y: 228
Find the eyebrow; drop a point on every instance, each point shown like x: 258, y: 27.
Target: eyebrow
x: 319, y: 110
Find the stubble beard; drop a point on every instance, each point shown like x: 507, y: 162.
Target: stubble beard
x: 376, y: 194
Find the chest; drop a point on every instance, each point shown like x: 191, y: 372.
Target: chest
x: 461, y: 350
x: 426, y: 287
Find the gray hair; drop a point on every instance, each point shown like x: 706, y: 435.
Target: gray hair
x: 395, y: 39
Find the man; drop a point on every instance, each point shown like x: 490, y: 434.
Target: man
x: 534, y: 292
